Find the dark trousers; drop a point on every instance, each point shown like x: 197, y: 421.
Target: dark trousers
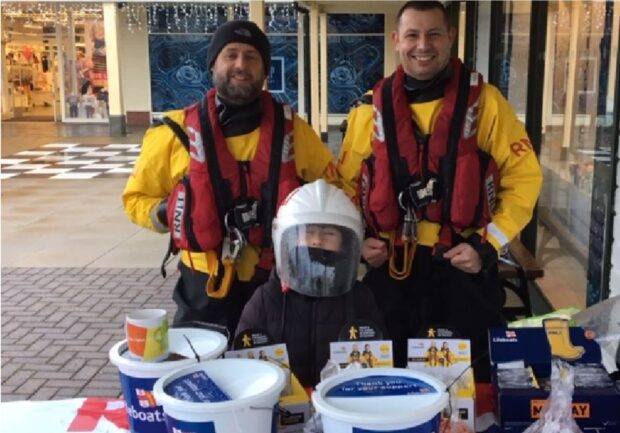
x: 438, y: 294
x: 193, y: 304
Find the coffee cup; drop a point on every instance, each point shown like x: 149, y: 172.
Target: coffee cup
x: 147, y: 334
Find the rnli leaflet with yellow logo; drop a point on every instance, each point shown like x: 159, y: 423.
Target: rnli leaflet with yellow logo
x: 367, y: 353
x: 521, y: 364
x: 446, y: 359
x: 276, y: 353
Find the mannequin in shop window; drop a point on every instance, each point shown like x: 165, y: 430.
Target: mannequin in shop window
x: 98, y: 74
x: 83, y: 67
x: 73, y: 100
x: 102, y: 97
x: 90, y: 102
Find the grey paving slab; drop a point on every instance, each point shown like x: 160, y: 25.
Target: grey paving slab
x: 60, y: 351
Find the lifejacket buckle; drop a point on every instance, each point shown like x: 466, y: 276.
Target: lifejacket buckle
x: 419, y: 194
x: 245, y: 214
x: 410, y: 226
x: 233, y: 243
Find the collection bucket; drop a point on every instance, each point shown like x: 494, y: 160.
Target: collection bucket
x: 252, y: 388
x: 138, y: 377
x: 380, y: 400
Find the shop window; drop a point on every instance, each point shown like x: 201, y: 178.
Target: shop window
x: 577, y: 138
x: 179, y: 38
x: 281, y: 26
x: 355, y: 57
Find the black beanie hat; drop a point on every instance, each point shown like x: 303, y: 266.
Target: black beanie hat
x: 245, y: 32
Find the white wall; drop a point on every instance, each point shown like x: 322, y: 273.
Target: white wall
x: 134, y: 64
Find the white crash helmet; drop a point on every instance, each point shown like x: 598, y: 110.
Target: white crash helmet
x: 313, y: 271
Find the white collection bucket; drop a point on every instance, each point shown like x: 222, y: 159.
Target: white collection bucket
x: 138, y: 377
x: 380, y: 400
x: 254, y: 389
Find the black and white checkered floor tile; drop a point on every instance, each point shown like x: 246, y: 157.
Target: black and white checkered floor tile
x: 71, y: 161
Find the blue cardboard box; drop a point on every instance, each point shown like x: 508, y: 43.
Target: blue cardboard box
x: 595, y: 408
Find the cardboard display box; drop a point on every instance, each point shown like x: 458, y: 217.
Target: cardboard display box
x: 446, y: 359
x: 528, y: 351
x: 294, y: 409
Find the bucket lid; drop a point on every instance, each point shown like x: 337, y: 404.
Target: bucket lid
x: 245, y: 381
x: 379, y: 395
x: 208, y: 344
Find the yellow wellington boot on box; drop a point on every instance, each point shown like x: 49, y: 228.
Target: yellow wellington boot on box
x: 559, y: 339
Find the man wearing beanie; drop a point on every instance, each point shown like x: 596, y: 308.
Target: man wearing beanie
x: 213, y: 175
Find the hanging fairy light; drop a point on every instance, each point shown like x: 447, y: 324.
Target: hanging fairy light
x: 161, y: 16
x: 133, y: 13
x: 272, y: 16
x: 46, y: 12
x: 282, y: 16
x: 241, y: 11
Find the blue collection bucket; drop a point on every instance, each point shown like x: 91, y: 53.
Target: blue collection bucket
x: 251, y: 388
x: 138, y: 377
x: 386, y: 400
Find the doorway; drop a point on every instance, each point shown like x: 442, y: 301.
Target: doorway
x: 30, y: 71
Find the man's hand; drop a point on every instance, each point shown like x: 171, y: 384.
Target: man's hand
x: 464, y: 258
x: 374, y: 252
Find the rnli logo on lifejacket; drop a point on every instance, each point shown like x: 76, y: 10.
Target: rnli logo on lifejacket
x: 196, y: 148
x: 364, y: 189
x: 491, y: 193
x: 473, y: 79
x: 288, y: 151
x: 179, y: 208
x: 471, y: 120
x: 378, y: 119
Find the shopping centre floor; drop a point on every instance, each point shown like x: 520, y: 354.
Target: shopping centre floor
x: 72, y: 263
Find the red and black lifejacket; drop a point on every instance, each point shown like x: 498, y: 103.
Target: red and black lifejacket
x: 461, y: 179
x: 217, y: 187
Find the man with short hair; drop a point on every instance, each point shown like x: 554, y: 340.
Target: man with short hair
x: 214, y: 174
x: 446, y: 176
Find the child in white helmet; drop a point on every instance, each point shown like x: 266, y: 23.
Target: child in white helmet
x: 317, y: 236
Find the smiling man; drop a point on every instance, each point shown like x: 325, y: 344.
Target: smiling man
x: 213, y: 175
x: 429, y: 155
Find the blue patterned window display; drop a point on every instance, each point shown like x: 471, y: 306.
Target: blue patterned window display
x: 282, y: 81
x: 355, y: 57
x: 355, y: 64
x: 179, y: 39
x: 355, y: 23
x: 179, y: 74
x: 281, y: 28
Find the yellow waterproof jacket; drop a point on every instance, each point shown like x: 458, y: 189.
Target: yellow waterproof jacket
x: 500, y: 133
x: 163, y: 161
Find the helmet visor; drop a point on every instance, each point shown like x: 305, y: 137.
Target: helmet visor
x: 319, y: 260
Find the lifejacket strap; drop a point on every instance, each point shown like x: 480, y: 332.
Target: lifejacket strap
x: 224, y: 284
x: 172, y: 251
x: 179, y: 132
x: 270, y: 190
